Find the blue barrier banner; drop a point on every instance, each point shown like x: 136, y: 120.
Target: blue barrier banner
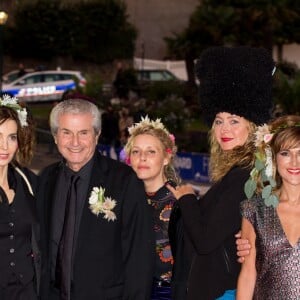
x: 190, y: 166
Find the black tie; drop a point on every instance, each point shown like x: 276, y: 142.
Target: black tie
x: 64, y: 260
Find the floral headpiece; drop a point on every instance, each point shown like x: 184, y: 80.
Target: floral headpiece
x: 12, y: 102
x: 157, y: 124
x: 263, y: 167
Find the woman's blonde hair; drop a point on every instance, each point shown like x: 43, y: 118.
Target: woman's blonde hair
x: 222, y: 161
x: 158, y: 130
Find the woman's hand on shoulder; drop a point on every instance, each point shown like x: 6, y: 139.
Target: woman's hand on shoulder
x: 181, y: 190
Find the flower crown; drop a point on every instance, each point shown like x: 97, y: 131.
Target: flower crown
x: 12, y: 102
x: 157, y: 124
x: 263, y: 167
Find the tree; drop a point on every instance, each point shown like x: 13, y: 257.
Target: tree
x: 257, y: 23
x: 96, y: 31
x: 287, y: 89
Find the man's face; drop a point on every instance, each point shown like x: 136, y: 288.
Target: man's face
x: 76, y: 139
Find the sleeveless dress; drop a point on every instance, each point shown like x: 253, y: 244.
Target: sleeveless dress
x: 277, y: 262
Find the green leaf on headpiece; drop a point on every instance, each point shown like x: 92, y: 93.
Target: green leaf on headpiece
x: 260, y: 156
x: 259, y: 165
x: 272, y: 182
x: 264, y: 177
x: 253, y: 173
x: 249, y: 188
x: 266, y: 192
x: 272, y: 200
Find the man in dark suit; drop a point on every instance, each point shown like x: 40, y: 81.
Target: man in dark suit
x: 107, y: 238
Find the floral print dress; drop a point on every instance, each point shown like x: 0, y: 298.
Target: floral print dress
x: 162, y: 202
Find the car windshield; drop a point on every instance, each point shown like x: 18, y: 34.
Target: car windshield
x: 10, y: 77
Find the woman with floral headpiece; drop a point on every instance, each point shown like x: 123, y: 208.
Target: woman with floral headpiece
x: 19, y: 263
x: 271, y: 215
x: 150, y: 151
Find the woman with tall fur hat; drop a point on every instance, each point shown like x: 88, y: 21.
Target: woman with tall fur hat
x: 236, y: 96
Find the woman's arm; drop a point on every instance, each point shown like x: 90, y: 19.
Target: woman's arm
x: 247, y: 277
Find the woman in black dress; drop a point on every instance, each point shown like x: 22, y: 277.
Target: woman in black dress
x: 150, y: 150
x: 19, y: 254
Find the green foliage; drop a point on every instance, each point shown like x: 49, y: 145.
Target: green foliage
x: 159, y: 91
x: 173, y: 112
x: 96, y: 31
x: 287, y: 92
x: 93, y: 88
x: 250, y: 187
x: 238, y: 22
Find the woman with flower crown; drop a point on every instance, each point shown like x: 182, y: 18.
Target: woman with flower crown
x: 150, y: 151
x: 20, y: 259
x: 235, y: 95
x: 271, y: 216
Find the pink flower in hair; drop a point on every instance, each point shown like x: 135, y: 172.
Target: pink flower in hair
x: 172, y: 137
x: 169, y: 150
x: 268, y: 137
x: 127, y: 161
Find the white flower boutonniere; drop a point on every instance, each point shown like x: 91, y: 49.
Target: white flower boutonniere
x: 102, y: 205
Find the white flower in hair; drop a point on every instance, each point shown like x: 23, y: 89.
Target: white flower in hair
x: 269, y: 163
x: 22, y: 114
x: 9, y: 101
x: 145, y: 121
x: 260, y: 134
x: 12, y: 102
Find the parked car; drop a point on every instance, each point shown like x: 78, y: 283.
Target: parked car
x: 47, y: 85
x: 159, y: 83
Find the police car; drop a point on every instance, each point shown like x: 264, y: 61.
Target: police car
x: 44, y: 85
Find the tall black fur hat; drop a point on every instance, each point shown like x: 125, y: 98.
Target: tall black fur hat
x: 236, y: 80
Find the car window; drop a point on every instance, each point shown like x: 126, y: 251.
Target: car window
x: 12, y: 76
x: 66, y: 76
x: 157, y: 76
x: 143, y: 75
x: 168, y: 76
x: 51, y: 77
x: 37, y: 78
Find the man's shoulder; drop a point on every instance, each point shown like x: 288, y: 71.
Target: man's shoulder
x: 53, y: 168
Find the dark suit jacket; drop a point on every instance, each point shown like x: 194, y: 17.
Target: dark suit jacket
x: 211, y: 224
x: 113, y: 260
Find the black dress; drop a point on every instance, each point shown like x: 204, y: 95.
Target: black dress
x: 18, y: 219
x: 211, y: 224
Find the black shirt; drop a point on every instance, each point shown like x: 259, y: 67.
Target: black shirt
x: 59, y: 204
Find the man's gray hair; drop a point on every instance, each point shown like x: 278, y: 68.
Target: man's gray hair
x: 75, y: 106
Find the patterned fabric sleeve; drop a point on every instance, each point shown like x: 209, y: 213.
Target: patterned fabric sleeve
x: 248, y: 210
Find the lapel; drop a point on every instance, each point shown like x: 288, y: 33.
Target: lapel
x: 98, y: 178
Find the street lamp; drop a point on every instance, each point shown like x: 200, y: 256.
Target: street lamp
x: 3, y: 19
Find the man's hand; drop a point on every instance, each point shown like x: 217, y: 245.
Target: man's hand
x: 243, y: 247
